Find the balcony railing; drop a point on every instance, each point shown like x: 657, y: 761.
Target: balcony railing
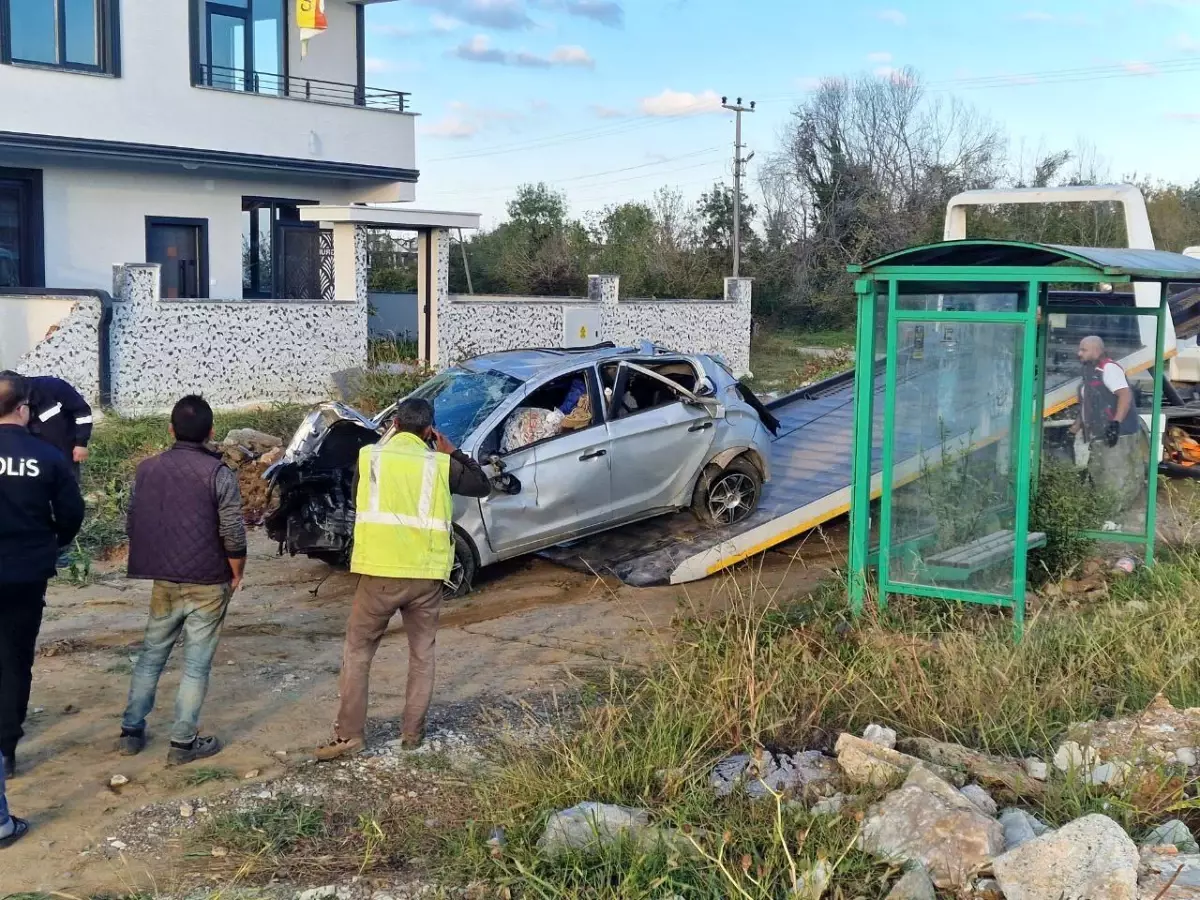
x: 228, y: 79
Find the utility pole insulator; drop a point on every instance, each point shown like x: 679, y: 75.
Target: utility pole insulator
x: 738, y: 163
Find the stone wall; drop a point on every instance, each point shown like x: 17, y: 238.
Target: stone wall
x: 467, y: 326
x: 72, y: 351
x: 234, y: 353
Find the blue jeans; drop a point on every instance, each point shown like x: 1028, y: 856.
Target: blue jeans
x: 198, y: 611
x: 4, y: 816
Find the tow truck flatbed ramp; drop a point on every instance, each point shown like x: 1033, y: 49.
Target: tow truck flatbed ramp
x: 810, y: 475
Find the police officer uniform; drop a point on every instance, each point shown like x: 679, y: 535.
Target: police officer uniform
x: 59, y: 415
x: 41, y: 510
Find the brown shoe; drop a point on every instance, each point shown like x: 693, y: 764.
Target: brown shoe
x: 338, y: 748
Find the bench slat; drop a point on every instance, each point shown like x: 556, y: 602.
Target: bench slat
x: 984, y: 551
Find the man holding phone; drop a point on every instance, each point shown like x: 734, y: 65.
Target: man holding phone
x: 404, y: 552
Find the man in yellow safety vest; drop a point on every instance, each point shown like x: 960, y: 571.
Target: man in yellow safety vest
x: 404, y: 552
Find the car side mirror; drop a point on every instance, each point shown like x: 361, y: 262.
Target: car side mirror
x: 494, y: 459
x: 507, y: 483
x: 704, y: 389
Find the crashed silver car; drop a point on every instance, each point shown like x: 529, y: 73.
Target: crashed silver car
x: 575, y: 441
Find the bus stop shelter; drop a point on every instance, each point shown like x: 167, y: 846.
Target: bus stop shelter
x: 964, y: 350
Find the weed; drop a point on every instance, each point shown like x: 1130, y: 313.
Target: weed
x: 120, y: 667
x: 198, y: 777
x: 270, y: 829
x: 1063, y: 508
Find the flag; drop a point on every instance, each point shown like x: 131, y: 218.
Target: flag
x: 310, y: 16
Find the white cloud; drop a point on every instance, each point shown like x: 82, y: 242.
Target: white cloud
x: 681, y: 103
x: 572, y: 55
x: 452, y: 127
x: 879, y: 57
x: 892, y: 17
x: 1185, y: 43
x: 886, y: 72
x: 443, y: 23
x: 1137, y: 67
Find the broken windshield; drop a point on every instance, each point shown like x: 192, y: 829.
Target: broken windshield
x: 463, y: 399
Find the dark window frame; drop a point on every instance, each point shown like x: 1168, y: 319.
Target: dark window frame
x: 108, y: 37
x: 201, y: 226
x: 198, y: 18
x: 271, y: 205
x: 34, y: 242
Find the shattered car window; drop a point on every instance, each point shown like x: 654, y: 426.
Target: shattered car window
x: 462, y: 399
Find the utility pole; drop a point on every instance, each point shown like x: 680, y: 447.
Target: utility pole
x: 738, y: 163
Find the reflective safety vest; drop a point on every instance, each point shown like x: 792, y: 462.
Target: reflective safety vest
x: 403, y: 511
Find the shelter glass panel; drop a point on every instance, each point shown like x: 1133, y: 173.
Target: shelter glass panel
x: 916, y: 296
x: 954, y: 456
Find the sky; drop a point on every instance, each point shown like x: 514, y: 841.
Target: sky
x: 610, y: 100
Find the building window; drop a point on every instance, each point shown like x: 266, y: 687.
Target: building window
x: 241, y: 45
x: 180, y: 247
x: 67, y: 34
x: 21, y: 254
x: 281, y: 255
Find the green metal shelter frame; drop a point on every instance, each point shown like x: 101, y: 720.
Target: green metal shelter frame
x: 997, y: 293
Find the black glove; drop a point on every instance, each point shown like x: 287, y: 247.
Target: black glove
x: 1112, y: 432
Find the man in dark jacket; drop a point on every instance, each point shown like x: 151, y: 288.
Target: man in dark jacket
x: 186, y: 533
x: 40, y: 511
x: 60, y: 416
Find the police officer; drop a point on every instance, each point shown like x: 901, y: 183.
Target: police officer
x: 60, y: 416
x: 41, y: 510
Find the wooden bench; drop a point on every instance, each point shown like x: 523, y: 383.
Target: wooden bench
x: 960, y: 563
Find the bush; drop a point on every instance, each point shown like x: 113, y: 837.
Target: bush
x: 1063, y: 507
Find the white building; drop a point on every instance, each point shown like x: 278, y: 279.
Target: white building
x: 188, y: 133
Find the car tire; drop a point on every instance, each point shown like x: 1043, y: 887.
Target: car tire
x: 727, y: 496
x: 462, y: 576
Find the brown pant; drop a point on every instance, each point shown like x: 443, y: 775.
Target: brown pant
x: 419, y: 602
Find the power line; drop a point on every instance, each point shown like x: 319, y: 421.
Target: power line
x: 556, y: 181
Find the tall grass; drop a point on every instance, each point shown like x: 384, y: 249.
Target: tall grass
x: 794, y: 676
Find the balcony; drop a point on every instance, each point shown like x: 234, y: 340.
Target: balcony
x: 311, y: 89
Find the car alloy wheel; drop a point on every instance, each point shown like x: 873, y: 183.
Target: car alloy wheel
x: 731, y: 498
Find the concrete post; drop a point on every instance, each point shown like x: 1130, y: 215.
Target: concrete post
x: 739, y: 291
x: 604, y: 289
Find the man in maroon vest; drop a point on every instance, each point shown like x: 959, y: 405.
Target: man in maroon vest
x: 186, y: 533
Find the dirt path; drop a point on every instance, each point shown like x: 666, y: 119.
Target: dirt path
x: 524, y: 632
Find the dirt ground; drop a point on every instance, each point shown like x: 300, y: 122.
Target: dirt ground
x: 526, y: 631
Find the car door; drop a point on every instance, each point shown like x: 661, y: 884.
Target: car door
x: 565, y: 482
x: 658, y: 451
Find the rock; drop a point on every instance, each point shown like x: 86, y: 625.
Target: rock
x: 811, y: 885
x: 981, y: 798
x: 1147, y: 739
x: 929, y: 822
x: 759, y: 776
x: 1112, y: 774
x: 986, y: 889
x: 877, y: 734
x: 589, y: 824
x: 271, y: 456
x: 993, y: 772
x: 186, y: 811
x: 1088, y: 859
x: 328, y: 892
x: 1180, y: 870
x: 1072, y: 757
x: 117, y: 781
x: 1036, y: 769
x: 219, y: 852
x: 1020, y: 827
x: 915, y: 884
x: 829, y: 806
x: 252, y: 439
x: 1175, y: 833
x: 1186, y: 756
x: 117, y: 845
x: 252, y: 774
x: 870, y: 764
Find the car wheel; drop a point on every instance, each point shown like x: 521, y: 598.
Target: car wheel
x: 727, y: 496
x: 462, y: 574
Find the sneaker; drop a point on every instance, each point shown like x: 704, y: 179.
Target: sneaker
x: 10, y: 765
x: 337, y: 748
x: 22, y: 827
x: 132, y: 742
x: 199, y: 748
